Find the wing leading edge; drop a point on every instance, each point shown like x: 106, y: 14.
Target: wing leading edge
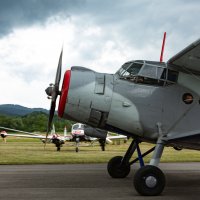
x: 187, y: 60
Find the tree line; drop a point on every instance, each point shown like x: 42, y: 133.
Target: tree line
x: 35, y: 121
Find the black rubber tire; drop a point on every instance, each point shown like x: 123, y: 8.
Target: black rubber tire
x: 77, y: 149
x: 116, y: 170
x: 140, y: 181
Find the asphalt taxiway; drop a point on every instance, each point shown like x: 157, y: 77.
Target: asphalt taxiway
x: 91, y: 181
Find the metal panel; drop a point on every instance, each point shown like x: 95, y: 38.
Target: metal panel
x: 99, y: 83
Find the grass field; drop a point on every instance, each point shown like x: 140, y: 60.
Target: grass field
x: 31, y: 151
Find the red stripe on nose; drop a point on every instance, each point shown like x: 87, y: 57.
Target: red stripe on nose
x: 64, y: 93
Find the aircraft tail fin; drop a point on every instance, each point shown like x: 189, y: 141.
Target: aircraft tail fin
x: 163, y: 47
x: 53, y: 131
x: 65, y: 131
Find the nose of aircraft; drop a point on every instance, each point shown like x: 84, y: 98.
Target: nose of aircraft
x: 64, y: 93
x: 86, y: 96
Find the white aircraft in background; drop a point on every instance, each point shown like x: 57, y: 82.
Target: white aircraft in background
x: 79, y: 133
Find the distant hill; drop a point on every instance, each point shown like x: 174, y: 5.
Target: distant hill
x: 17, y: 110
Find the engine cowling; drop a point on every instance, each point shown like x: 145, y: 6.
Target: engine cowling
x: 86, y: 97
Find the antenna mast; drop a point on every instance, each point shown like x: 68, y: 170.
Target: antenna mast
x: 163, y: 47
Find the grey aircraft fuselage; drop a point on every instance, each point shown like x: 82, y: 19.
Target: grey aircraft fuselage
x: 141, y: 95
x: 149, y: 101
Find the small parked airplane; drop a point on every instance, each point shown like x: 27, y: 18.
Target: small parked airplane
x: 79, y: 133
x: 150, y: 101
x: 82, y: 132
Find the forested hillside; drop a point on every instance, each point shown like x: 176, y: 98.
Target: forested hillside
x: 35, y: 121
x: 18, y: 110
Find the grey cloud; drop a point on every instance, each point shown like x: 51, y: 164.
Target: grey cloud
x: 115, y: 15
x: 126, y: 20
x: 26, y: 12
x: 132, y: 20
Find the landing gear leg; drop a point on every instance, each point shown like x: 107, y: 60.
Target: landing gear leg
x: 77, y: 144
x: 102, y: 143
x: 119, y: 167
x: 150, y: 180
x: 58, y: 148
x: 57, y: 144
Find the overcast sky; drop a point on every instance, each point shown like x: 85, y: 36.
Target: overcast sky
x: 100, y: 35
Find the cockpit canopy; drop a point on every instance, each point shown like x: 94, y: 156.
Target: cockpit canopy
x: 78, y: 126
x: 147, y: 72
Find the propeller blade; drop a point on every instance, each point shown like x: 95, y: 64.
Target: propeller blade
x: 53, y: 91
x: 59, y: 69
x: 51, y: 115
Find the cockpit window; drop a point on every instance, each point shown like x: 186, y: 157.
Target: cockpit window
x: 75, y: 127
x: 151, y: 71
x: 147, y: 72
x: 134, y: 69
x: 129, y: 70
x: 123, y: 69
x: 82, y: 126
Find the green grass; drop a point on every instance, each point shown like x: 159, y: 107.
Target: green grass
x: 31, y: 151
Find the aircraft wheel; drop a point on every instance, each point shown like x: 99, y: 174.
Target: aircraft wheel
x: 77, y: 149
x: 116, y: 169
x: 149, y: 181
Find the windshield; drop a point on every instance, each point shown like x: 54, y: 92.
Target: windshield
x: 78, y: 126
x: 129, y: 69
x: 147, y: 72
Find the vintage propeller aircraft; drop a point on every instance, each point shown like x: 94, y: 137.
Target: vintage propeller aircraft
x: 150, y: 101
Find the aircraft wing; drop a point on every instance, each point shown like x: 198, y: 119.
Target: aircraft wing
x: 187, y: 60
x: 32, y: 135
x: 27, y: 136
x: 115, y: 137
x: 10, y: 129
x: 67, y: 138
